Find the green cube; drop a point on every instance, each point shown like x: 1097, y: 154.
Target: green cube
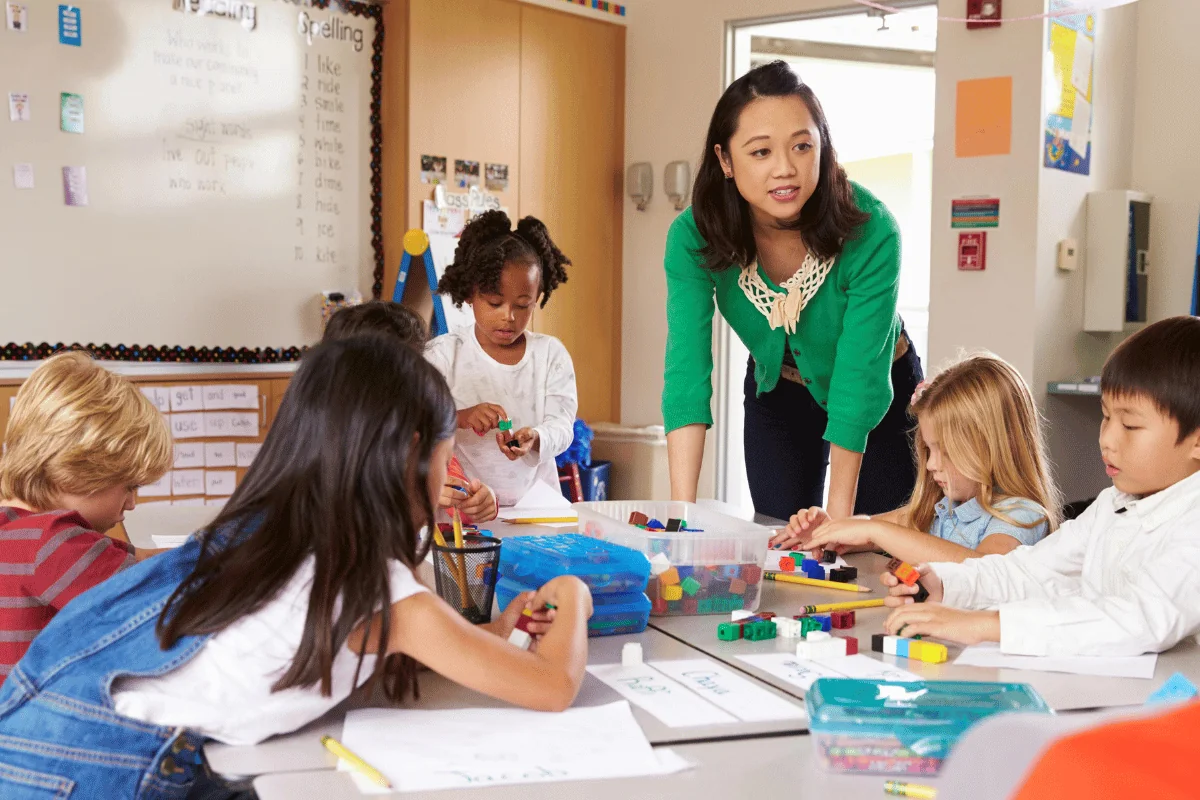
x: 705, y: 606
x: 690, y: 586
x: 808, y: 624
x: 729, y: 632
x: 758, y: 631
x: 798, y: 558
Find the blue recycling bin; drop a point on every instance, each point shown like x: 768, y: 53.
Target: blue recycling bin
x: 593, y: 480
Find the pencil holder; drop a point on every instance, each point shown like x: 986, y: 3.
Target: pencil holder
x: 466, y: 577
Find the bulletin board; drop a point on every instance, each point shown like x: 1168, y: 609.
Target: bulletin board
x: 201, y: 171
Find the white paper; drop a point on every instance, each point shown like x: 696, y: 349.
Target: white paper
x: 22, y: 176
x: 186, y: 398
x: 220, y: 483
x: 18, y: 17
x: 542, y: 496
x: 187, y: 481
x: 160, y: 396
x: 989, y: 655
x: 166, y: 541
x: 1081, y: 69
x: 219, y: 454
x: 738, y: 695
x: 231, y: 423
x: 1080, y: 135
x: 191, y: 501
x: 245, y: 452
x: 187, y: 426
x: 189, y: 455
x: 229, y: 396
x: 494, y: 746
x: 655, y: 693
x: 804, y: 672
x: 18, y: 107
x: 160, y: 488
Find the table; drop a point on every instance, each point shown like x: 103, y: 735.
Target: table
x: 302, y: 750
x: 784, y: 766
x: 1062, y: 691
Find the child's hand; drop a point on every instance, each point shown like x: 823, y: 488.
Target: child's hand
x: 901, y: 595
x: 451, y: 494
x: 527, y: 439
x: 542, y: 617
x: 479, y: 503
x: 944, y: 622
x: 481, y: 418
x: 799, y: 529
x: 562, y: 590
x: 841, y: 534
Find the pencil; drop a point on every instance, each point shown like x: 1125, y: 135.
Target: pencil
x: 538, y: 520
x: 902, y: 789
x: 853, y: 604
x: 845, y: 587
x: 339, y: 750
x: 451, y: 567
x: 456, y: 518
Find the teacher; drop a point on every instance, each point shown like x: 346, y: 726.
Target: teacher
x: 805, y: 267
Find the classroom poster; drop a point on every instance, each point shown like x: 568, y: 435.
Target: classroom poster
x: 443, y: 227
x: 70, y: 26
x: 72, y: 112
x: 495, y: 177
x: 18, y: 107
x: 75, y: 191
x: 466, y: 173
x: 1071, y: 92
x: 433, y: 170
x: 18, y: 17
x: 22, y: 176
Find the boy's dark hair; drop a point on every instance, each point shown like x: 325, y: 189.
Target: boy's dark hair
x: 1160, y: 362
x: 488, y: 242
x: 722, y: 215
x: 378, y: 316
x: 335, y: 481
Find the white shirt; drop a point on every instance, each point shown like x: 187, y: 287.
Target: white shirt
x: 1123, y: 579
x: 224, y: 692
x: 536, y: 392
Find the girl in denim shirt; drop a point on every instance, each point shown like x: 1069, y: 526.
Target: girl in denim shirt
x: 982, y: 482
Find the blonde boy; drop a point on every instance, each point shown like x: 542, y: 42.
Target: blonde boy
x: 79, y: 442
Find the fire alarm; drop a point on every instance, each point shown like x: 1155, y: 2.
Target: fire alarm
x: 972, y: 251
x: 983, y: 14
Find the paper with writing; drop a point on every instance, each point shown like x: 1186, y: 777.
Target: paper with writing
x: 655, y: 693
x: 735, y: 693
x: 804, y: 672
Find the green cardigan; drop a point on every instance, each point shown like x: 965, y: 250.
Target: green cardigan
x: 843, y: 344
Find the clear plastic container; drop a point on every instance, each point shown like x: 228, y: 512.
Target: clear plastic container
x: 903, y: 728
x: 606, y: 567
x: 716, y: 569
x: 612, y: 614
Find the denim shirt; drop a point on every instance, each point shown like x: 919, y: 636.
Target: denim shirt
x: 969, y: 524
x: 59, y: 734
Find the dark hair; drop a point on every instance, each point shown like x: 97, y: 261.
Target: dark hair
x: 488, y: 242
x: 325, y: 485
x: 1160, y: 362
x: 378, y: 316
x: 722, y: 215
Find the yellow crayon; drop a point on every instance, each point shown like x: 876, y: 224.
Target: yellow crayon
x: 339, y: 750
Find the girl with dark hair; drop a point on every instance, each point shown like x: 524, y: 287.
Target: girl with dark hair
x: 805, y: 267
x: 300, y: 590
x: 498, y: 369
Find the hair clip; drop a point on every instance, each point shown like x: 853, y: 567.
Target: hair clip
x: 918, y: 393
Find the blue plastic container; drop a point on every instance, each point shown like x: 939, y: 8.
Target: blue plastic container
x: 612, y: 614
x: 605, y: 567
x: 903, y: 728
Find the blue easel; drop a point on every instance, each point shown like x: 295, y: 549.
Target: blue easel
x: 416, y: 245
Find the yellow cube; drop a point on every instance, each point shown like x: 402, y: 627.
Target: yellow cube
x: 933, y: 653
x: 669, y: 577
x: 673, y: 592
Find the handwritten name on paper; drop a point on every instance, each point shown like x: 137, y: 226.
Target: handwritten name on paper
x: 743, y: 698
x: 655, y: 693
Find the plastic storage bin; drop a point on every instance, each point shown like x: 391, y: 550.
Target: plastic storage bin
x: 605, y: 567
x: 612, y: 614
x: 715, y: 570
x: 903, y: 728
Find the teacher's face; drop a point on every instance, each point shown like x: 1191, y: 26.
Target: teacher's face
x: 774, y: 157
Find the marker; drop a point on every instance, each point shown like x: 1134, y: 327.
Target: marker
x: 339, y: 750
x: 844, y: 587
x: 902, y: 789
x: 853, y: 604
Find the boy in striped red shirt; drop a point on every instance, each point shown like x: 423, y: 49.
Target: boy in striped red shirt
x: 80, y: 440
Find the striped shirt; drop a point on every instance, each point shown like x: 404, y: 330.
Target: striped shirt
x: 46, y: 560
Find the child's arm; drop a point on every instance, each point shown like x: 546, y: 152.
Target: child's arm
x: 902, y: 542
x: 556, y: 430
x: 73, y: 559
x: 424, y: 627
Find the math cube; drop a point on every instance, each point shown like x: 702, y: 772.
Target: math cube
x: 825, y: 620
x: 828, y: 557
x: 659, y: 605
x: 691, y: 605
x: 751, y: 574
x: 638, y: 518
x: 933, y: 653
x: 730, y: 571
x: 690, y: 586
x: 842, y: 619
x: 851, y: 645
x: 671, y: 576
x: 814, y: 570
x: 729, y: 631
x: 672, y: 593
x: 705, y: 606
x: 877, y: 642
x: 837, y: 574
x: 787, y: 564
x: 674, y: 525
x: 808, y: 624
x: 787, y: 628
x: 903, y: 571
x: 737, y: 586
x: 804, y: 650
x: 759, y: 631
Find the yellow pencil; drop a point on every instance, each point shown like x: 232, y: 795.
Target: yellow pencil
x: 539, y: 520
x: 462, y: 562
x: 845, y: 587
x: 339, y: 750
x: 853, y: 604
x: 902, y: 789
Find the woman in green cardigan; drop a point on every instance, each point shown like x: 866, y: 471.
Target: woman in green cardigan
x: 805, y: 267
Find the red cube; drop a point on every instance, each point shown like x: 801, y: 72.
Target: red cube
x: 659, y: 606
x: 751, y: 574
x: 851, y: 645
x: 842, y: 619
x: 787, y: 564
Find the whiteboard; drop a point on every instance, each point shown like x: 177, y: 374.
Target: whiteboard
x: 228, y: 171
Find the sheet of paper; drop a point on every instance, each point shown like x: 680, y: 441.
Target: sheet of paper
x: 245, y: 452
x: 186, y: 398
x: 189, y: 455
x: 166, y: 541
x: 804, y: 672
x: 1081, y: 68
x: 18, y: 16
x: 160, y: 488
x: 18, y: 107
x: 231, y: 396
x: 240, y: 424
x: 989, y: 655
x: 160, y: 396
x: 219, y: 454
x: 493, y: 746
x: 22, y: 176
x: 738, y: 695
x: 655, y: 693
x: 220, y: 482
x: 75, y: 187
x: 540, y: 497
x: 983, y: 117
x: 1080, y: 135
x: 187, y: 481
x: 187, y: 426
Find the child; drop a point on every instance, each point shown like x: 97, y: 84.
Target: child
x: 982, y: 483
x: 1122, y: 578
x: 497, y: 369
x: 475, y: 501
x: 273, y: 614
x: 80, y: 441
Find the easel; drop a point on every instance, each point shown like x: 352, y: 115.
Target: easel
x: 416, y: 245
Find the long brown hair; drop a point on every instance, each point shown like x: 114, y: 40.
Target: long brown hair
x: 722, y: 215
x: 985, y: 420
x: 340, y: 478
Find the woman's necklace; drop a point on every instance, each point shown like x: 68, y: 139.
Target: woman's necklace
x: 782, y: 309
